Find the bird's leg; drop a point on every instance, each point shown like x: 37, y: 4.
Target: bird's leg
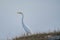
x: 27, y: 34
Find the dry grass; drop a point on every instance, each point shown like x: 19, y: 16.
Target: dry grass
x: 39, y: 36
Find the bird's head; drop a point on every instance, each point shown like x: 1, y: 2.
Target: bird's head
x: 19, y: 13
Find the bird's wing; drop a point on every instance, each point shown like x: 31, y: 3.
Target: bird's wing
x: 26, y: 28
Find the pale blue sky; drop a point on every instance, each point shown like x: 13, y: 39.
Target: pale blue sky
x: 39, y: 15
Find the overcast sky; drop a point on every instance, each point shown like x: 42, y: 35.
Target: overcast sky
x: 39, y: 15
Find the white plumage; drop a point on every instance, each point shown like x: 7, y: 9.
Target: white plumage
x: 26, y: 28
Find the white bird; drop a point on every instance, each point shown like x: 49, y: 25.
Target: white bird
x: 27, y: 29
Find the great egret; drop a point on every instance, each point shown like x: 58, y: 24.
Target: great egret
x: 26, y: 28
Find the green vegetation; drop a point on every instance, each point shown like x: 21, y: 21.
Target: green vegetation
x: 39, y: 36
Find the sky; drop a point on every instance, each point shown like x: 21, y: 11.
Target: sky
x: 39, y: 15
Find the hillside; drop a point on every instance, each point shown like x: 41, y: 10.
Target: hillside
x: 39, y: 36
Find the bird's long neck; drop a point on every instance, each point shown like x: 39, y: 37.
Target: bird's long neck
x: 22, y: 18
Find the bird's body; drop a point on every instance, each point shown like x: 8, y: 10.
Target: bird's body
x: 26, y: 28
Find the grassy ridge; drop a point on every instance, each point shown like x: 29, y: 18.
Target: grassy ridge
x: 39, y: 36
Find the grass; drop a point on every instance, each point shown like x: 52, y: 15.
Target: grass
x: 38, y: 36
